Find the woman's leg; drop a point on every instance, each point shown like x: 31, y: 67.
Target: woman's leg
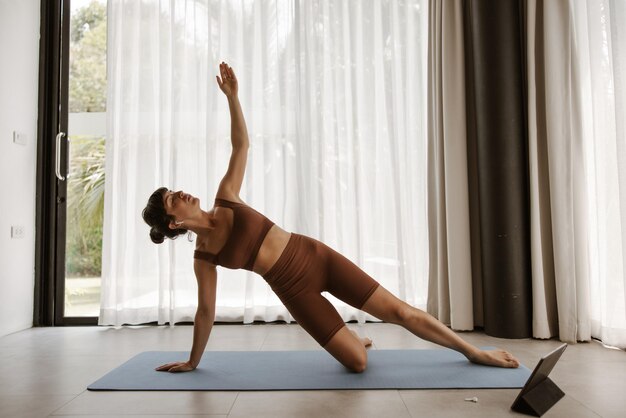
x: 348, y: 282
x: 384, y: 305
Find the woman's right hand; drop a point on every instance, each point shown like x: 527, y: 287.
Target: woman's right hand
x: 179, y: 366
x: 228, y: 83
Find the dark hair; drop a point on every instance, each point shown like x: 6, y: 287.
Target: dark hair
x: 154, y: 215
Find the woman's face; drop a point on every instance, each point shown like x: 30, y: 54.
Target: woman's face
x: 180, y: 205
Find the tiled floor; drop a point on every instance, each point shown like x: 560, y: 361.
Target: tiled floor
x: 45, y: 372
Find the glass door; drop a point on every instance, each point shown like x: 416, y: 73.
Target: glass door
x: 86, y: 128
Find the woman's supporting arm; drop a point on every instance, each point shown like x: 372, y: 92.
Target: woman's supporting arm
x: 202, y: 326
x: 206, y: 274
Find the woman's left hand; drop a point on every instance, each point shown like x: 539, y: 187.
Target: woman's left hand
x: 228, y: 83
x: 176, y: 367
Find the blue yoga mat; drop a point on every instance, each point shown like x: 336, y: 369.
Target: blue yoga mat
x: 297, y: 370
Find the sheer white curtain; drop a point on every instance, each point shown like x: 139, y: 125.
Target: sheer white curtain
x: 599, y: 31
x: 577, y: 97
x: 334, y: 97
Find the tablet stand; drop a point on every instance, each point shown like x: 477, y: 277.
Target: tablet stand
x: 539, y: 399
x: 540, y: 393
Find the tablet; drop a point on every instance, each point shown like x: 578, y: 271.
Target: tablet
x: 547, y: 394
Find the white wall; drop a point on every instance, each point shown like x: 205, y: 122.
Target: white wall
x: 19, y: 69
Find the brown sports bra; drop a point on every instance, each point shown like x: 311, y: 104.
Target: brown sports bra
x: 245, y: 239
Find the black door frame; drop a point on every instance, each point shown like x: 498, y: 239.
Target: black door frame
x: 51, y: 193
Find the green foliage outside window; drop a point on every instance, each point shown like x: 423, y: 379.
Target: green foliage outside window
x: 87, y: 93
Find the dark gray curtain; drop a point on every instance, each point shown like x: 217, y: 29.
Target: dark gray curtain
x: 497, y: 140
x: 479, y: 220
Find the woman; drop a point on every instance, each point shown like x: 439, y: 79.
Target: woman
x: 298, y: 268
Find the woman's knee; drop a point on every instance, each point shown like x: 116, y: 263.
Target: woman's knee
x: 384, y: 305
x: 348, y: 350
x: 357, y: 359
x: 397, y: 313
x: 359, y: 362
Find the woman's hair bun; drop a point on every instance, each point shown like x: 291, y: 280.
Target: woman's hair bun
x: 156, y: 236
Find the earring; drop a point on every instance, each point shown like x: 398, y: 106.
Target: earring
x: 189, y: 236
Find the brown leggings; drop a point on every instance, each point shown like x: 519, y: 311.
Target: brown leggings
x: 305, y: 269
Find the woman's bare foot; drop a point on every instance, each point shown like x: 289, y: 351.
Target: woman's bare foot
x: 498, y: 358
x: 366, y: 341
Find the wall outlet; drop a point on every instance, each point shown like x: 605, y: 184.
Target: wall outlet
x: 20, y: 138
x: 17, y: 231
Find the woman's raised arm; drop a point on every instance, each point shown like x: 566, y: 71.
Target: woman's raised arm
x: 234, y: 176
